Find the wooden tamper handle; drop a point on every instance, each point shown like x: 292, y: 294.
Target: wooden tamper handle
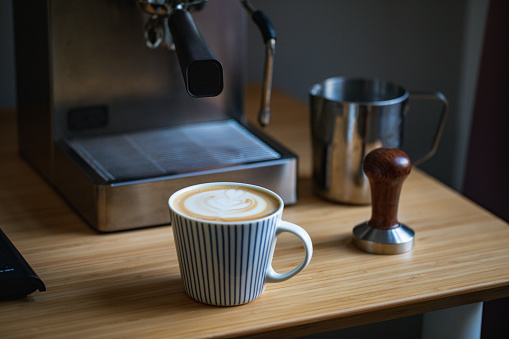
x: 386, y: 169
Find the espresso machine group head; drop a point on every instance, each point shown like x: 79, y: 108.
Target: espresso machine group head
x: 109, y: 122
x: 171, y: 25
x: 202, y: 72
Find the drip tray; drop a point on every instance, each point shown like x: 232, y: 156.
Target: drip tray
x: 173, y: 150
x: 123, y: 181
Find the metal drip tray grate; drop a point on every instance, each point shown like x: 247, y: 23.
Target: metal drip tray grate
x: 172, y: 150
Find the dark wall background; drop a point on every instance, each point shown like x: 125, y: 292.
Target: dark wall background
x: 487, y: 166
x: 420, y: 44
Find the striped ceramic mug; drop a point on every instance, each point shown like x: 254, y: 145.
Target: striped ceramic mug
x: 224, y: 254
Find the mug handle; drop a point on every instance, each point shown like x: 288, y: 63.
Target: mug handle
x: 285, y: 226
x: 445, y: 108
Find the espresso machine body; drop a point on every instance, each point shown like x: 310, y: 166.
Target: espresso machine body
x: 108, y: 122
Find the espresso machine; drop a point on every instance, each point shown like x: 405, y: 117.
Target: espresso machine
x: 123, y: 102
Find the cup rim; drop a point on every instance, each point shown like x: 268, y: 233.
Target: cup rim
x: 225, y: 183
x: 314, y: 89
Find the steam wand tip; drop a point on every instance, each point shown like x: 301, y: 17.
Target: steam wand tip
x: 264, y: 117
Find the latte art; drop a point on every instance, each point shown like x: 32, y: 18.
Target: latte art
x: 226, y: 203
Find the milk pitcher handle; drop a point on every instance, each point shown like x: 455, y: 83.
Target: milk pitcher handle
x: 285, y: 226
x: 443, y: 115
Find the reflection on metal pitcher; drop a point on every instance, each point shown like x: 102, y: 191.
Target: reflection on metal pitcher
x: 351, y: 117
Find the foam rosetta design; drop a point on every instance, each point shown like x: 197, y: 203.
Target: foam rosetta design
x: 226, y: 204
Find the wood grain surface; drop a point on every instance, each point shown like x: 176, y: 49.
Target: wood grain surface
x: 128, y: 284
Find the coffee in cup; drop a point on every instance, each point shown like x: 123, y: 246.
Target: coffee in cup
x: 225, y: 235
x: 226, y: 203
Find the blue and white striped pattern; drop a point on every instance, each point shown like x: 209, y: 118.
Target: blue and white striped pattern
x: 224, y: 265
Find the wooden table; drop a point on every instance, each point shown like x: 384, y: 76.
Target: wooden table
x: 128, y: 284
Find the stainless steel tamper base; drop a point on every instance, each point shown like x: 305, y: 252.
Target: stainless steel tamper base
x: 392, y: 241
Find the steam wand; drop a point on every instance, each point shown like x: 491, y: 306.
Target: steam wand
x: 269, y: 38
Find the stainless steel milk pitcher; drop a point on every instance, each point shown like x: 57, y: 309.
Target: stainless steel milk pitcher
x: 351, y: 117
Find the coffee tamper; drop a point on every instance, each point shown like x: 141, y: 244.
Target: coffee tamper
x: 386, y: 169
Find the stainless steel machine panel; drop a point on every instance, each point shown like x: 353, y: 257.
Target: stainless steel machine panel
x: 100, y: 114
